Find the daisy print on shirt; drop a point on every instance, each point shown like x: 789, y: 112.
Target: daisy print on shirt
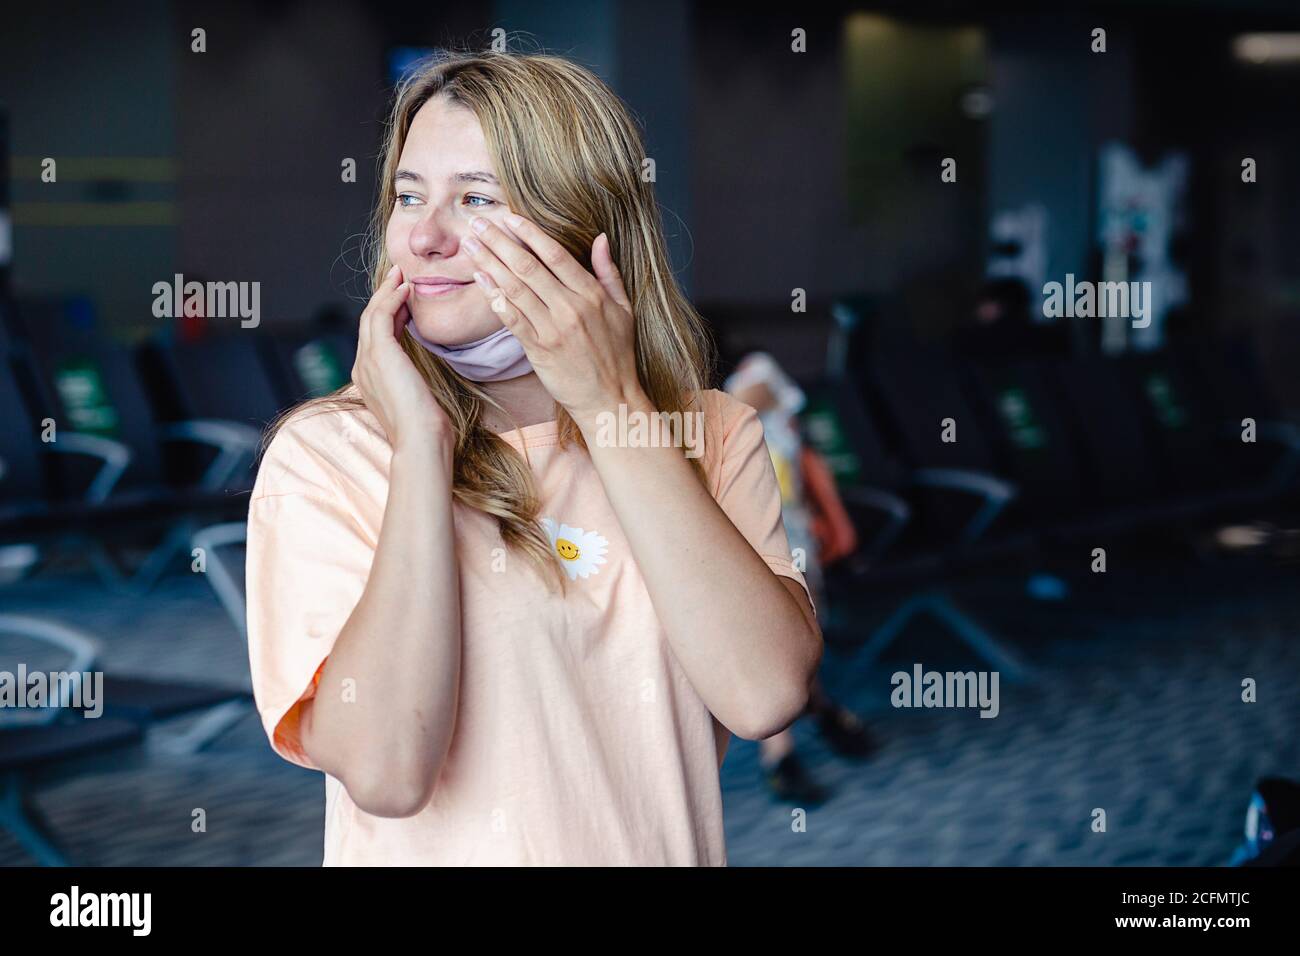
x: 580, y: 552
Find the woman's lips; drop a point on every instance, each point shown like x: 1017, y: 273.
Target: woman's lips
x: 438, y: 288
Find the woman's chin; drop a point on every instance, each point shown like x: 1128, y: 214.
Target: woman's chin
x: 451, y: 329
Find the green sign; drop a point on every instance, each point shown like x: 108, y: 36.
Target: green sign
x: 1161, y: 392
x: 319, y: 368
x: 1018, y: 415
x: 826, y: 435
x: 81, y: 389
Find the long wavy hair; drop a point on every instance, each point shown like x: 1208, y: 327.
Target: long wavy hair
x: 569, y: 157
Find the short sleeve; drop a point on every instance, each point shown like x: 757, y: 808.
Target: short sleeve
x: 747, y: 489
x: 306, y: 568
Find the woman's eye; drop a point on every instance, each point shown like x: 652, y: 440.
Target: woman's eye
x: 404, y: 196
x: 486, y: 201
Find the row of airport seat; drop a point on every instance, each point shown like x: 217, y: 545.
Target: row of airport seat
x: 947, y: 465
x: 161, y: 435
x: 150, y: 432
x: 951, y: 465
x: 1067, y: 447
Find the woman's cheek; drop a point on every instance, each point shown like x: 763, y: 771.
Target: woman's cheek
x: 393, y: 239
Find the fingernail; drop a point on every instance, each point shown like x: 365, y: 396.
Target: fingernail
x: 470, y: 243
x: 482, y: 280
x: 391, y: 272
x: 478, y: 224
x: 513, y: 219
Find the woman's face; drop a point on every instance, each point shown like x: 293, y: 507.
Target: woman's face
x: 445, y: 177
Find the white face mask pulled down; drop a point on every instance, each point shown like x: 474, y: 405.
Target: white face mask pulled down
x: 495, y: 358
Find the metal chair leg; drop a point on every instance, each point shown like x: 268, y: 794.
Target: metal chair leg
x: 142, y: 580
x: 26, y: 823
x: 1006, y: 662
x: 206, y: 729
x: 942, y: 607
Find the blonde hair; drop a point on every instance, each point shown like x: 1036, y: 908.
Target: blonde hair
x: 568, y: 157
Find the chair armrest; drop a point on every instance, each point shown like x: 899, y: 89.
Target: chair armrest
x: 996, y: 492
x: 226, y: 581
x: 115, y: 456
x: 234, y: 441
x: 84, y: 653
x: 897, y: 513
x: 1285, y: 434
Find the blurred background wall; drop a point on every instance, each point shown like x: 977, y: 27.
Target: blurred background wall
x: 817, y: 175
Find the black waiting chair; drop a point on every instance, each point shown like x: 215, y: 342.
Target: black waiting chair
x: 36, y: 744
x: 112, y: 454
x: 103, y: 451
x: 223, y: 549
x: 221, y: 387
x: 65, y: 737
x: 308, y: 364
x: 877, y: 490
x: 925, y: 415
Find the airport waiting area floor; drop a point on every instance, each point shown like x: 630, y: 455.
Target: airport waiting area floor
x: 1137, y: 710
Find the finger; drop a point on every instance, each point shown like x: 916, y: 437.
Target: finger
x: 401, y: 316
x: 518, y: 292
x: 390, y: 303
x: 552, y: 254
x: 514, y: 320
x: 382, y: 317
x: 400, y: 312
x: 527, y: 268
x: 387, y: 283
x: 391, y: 280
x: 607, y: 271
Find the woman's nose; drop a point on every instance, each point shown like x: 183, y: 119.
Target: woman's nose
x: 437, y: 232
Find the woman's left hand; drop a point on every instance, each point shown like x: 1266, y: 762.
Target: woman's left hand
x: 577, y: 329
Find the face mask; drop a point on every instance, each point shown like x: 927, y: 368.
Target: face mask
x: 494, y: 359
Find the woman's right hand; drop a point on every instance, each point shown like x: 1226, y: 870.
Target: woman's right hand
x: 393, y: 388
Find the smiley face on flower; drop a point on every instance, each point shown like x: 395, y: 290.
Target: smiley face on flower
x: 580, y: 552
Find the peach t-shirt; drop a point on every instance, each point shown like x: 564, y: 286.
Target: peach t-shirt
x: 579, y: 739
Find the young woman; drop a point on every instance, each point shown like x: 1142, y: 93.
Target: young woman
x: 506, y: 633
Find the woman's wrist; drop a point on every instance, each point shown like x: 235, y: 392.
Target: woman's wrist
x: 428, y: 451
x: 589, y: 420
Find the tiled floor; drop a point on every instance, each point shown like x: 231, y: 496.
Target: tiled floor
x: 1138, y: 712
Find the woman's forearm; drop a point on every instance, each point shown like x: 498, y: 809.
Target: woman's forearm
x: 382, y: 718
x: 738, y: 633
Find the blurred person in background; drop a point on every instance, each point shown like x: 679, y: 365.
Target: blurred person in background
x: 820, y: 533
